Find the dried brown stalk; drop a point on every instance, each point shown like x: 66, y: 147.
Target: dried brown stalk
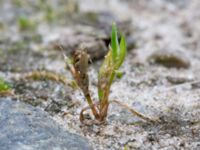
x: 46, y: 75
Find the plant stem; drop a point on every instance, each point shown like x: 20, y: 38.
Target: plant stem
x: 104, y: 102
x: 89, y: 100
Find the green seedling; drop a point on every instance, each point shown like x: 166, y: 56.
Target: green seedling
x: 109, y: 70
x: 107, y: 74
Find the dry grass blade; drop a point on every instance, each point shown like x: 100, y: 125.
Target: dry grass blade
x: 134, y: 112
x: 47, y: 75
x: 78, y: 69
x: 7, y: 93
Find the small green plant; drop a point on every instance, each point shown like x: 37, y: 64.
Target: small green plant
x: 3, y: 85
x: 26, y: 24
x: 107, y: 73
x: 5, y: 89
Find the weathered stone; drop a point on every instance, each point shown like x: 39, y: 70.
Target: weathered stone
x: 179, y: 79
x: 24, y: 127
x: 170, y: 59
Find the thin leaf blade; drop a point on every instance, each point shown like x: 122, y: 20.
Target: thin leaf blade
x: 114, y: 42
x: 122, y: 52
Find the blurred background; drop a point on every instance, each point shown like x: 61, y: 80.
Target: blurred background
x: 31, y: 29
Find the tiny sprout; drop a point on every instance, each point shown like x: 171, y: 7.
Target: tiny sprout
x: 107, y: 73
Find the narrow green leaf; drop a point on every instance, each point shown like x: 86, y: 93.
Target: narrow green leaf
x: 100, y: 94
x: 118, y: 74
x: 114, y: 42
x: 122, y: 52
x: 106, y: 64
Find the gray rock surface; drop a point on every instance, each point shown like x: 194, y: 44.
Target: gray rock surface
x: 23, y: 127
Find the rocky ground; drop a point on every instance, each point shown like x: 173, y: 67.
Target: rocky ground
x: 160, y: 75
